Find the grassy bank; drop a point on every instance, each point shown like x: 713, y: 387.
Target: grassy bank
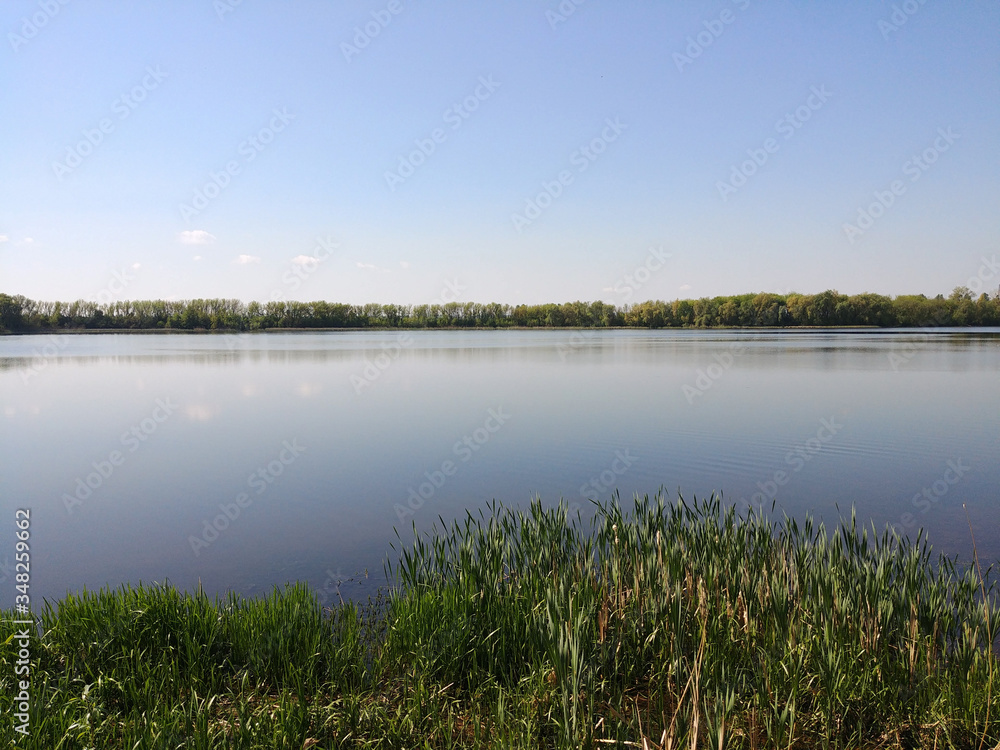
x: 672, y: 624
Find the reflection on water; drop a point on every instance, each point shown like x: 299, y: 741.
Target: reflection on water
x: 248, y: 460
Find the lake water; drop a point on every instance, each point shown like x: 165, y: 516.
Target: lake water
x: 245, y: 461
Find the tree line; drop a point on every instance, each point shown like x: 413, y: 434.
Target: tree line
x: 19, y: 314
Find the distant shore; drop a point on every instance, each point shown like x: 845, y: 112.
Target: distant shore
x: 467, y: 329
x: 829, y: 309
x: 233, y: 331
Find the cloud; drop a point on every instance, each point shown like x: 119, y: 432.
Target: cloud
x: 244, y: 259
x: 136, y: 266
x: 196, y: 237
x: 197, y: 257
x: 302, y: 260
x: 684, y: 287
x: 28, y: 240
x: 404, y: 263
x: 200, y: 412
x: 370, y: 267
x: 4, y: 238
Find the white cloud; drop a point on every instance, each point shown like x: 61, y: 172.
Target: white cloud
x: 196, y: 237
x: 136, y: 266
x: 4, y: 238
x: 28, y: 240
x: 404, y: 263
x: 684, y: 287
x: 301, y: 260
x: 197, y: 257
x: 200, y: 412
x: 370, y: 267
x: 244, y: 259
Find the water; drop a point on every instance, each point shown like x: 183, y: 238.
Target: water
x: 247, y: 461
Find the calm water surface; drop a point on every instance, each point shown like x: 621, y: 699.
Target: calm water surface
x: 248, y: 461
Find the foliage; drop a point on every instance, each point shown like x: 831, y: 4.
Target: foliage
x: 659, y: 625
x: 828, y: 308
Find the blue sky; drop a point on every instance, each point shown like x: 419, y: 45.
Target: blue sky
x: 200, y: 149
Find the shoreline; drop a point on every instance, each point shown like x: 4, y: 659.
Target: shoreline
x: 663, y: 621
x: 463, y: 329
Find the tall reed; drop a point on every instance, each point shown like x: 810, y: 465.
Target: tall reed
x: 654, y: 624
x: 713, y: 624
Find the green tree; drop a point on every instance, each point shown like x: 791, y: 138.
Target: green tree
x: 11, y: 316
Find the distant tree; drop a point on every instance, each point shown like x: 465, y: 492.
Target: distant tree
x: 960, y: 294
x: 683, y: 312
x: 18, y: 313
x: 765, y: 309
x: 11, y: 316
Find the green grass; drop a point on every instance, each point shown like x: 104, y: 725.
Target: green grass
x: 672, y: 624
